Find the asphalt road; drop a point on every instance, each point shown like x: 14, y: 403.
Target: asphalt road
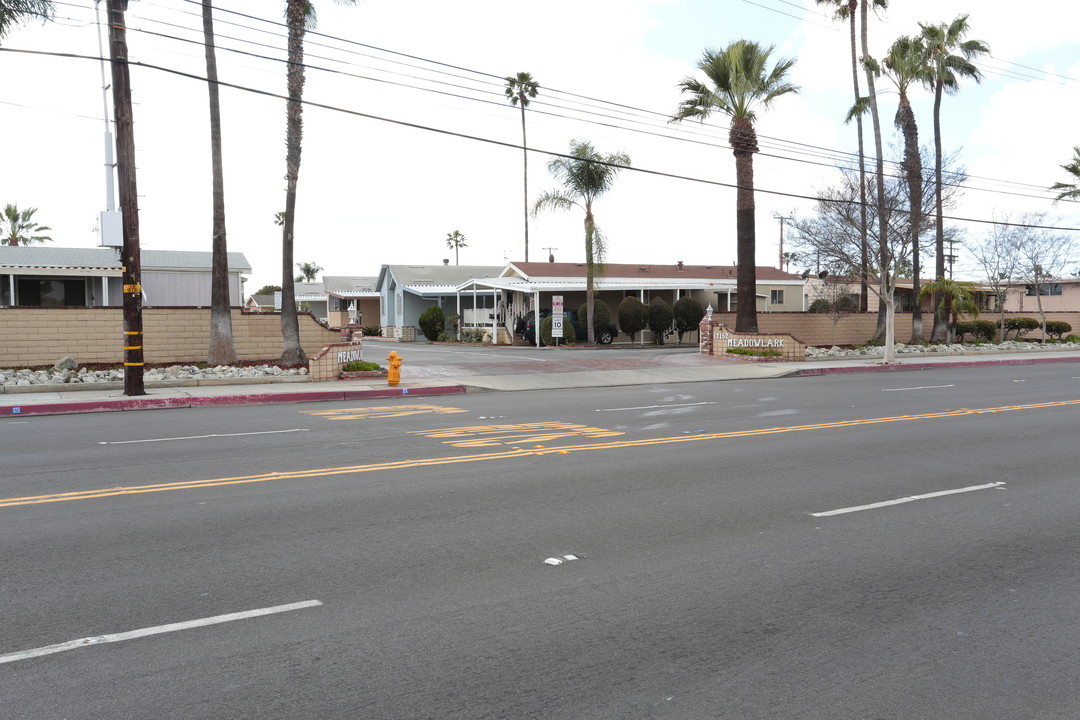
x: 398, y: 550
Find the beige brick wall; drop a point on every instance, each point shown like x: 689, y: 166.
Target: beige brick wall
x: 31, y: 337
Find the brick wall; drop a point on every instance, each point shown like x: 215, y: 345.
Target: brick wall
x: 40, y: 336
x: 816, y: 329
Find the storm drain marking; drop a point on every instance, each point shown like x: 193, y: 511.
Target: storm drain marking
x: 473, y: 436
x: 383, y: 411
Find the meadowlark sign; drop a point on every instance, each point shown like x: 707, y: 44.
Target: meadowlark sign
x: 719, y: 340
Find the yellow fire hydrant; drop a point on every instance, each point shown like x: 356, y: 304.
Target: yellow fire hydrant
x: 393, y: 373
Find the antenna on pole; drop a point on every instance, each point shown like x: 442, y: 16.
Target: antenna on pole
x: 110, y: 225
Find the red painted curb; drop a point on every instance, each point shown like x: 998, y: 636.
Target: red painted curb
x: 221, y: 401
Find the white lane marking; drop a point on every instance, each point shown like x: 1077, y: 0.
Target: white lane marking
x: 653, y: 407
x: 921, y: 387
x: 200, y: 437
x: 898, y: 501
x: 157, y: 630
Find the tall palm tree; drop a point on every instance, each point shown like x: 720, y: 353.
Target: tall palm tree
x: 221, y: 349
x: 906, y: 65
x: 742, y: 82
x: 14, y: 12
x: 950, y: 60
x: 21, y: 228
x: 1070, y: 191
x: 847, y: 10
x: 521, y: 88
x: 456, y: 241
x: 586, y: 175
x: 299, y: 15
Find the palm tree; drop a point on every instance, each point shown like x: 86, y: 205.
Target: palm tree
x: 221, y: 349
x: 1070, y: 191
x: 957, y: 298
x: 456, y: 240
x: 308, y: 271
x: 299, y: 15
x: 846, y: 10
x: 14, y: 12
x: 21, y: 228
x: 950, y: 60
x: 585, y: 176
x: 521, y: 88
x: 906, y: 65
x: 741, y: 83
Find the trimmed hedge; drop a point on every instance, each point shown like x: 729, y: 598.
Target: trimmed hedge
x: 1020, y: 326
x: 977, y: 329
x: 432, y: 321
x: 569, y: 335
x: 633, y: 316
x: 1057, y: 328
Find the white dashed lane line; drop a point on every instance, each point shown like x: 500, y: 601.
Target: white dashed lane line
x: 156, y: 630
x: 911, y: 498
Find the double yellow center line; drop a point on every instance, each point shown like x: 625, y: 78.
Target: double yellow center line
x: 507, y: 454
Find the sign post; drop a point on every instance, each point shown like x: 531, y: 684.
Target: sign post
x: 556, y: 317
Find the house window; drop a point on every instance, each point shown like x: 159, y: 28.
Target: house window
x: 776, y: 297
x: 1044, y: 289
x: 54, y: 292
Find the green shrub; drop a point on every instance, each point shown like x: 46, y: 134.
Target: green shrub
x: 821, y: 305
x: 569, y: 337
x: 472, y: 335
x: 1020, y: 326
x: 633, y: 316
x: 688, y: 314
x: 601, y: 316
x: 1057, y: 328
x: 660, y: 317
x: 765, y: 352
x: 361, y: 365
x: 372, y: 330
x: 1072, y: 339
x: 977, y: 329
x: 432, y: 321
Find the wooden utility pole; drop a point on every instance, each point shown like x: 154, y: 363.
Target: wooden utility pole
x: 129, y: 208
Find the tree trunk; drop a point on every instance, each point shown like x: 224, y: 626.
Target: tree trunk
x: 940, y: 331
x: 292, y: 352
x: 914, y: 178
x: 590, y: 274
x: 221, y: 350
x: 884, y: 259
x: 864, y: 256
x: 744, y: 143
x: 525, y: 184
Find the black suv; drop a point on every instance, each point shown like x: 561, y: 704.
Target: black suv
x: 526, y: 328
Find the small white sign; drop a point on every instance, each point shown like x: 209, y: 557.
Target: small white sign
x: 556, y: 316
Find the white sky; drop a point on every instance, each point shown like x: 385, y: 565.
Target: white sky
x: 374, y: 192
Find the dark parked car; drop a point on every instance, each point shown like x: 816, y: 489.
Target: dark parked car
x: 525, y: 328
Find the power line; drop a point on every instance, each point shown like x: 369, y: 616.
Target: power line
x: 499, y: 143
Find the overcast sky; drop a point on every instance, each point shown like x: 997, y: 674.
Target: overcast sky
x: 413, y: 138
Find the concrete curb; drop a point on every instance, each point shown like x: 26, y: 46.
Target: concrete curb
x: 901, y: 367
x: 149, y: 403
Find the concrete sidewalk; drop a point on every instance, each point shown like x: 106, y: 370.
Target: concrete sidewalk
x: 103, y: 397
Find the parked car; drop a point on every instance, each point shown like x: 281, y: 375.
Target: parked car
x: 526, y: 330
